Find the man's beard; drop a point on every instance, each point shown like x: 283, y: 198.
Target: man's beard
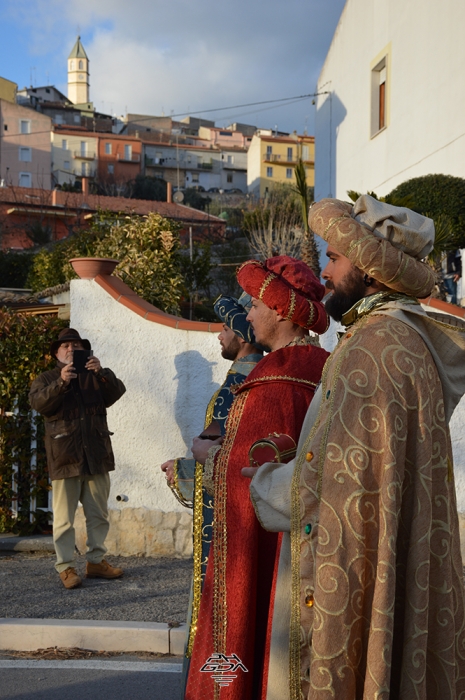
x: 345, y: 295
x: 231, y: 351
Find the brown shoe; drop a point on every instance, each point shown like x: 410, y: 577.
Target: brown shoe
x: 70, y: 578
x: 102, y: 570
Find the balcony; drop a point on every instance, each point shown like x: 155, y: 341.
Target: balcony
x: 90, y: 172
x: 283, y: 160
x: 83, y: 156
x: 205, y: 166
x: 154, y: 162
x: 133, y: 158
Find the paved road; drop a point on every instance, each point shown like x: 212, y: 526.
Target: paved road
x: 26, y: 679
x: 151, y: 590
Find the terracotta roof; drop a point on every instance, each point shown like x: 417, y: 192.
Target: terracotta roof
x: 36, y: 198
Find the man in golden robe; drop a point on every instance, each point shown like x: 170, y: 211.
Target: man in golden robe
x: 377, y: 603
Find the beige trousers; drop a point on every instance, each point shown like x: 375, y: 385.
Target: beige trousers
x: 92, y: 492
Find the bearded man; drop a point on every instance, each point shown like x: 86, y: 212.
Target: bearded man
x: 376, y: 591
x: 237, y: 598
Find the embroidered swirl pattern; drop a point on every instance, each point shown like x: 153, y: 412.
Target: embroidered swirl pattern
x: 381, y: 563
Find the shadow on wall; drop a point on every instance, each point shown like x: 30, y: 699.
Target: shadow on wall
x: 329, y: 116
x: 194, y: 390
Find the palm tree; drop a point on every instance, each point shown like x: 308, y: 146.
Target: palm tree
x: 309, y: 250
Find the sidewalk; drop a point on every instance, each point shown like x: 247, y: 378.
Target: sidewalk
x: 153, y: 592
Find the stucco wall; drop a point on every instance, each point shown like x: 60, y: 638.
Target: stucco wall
x: 425, y: 96
x: 170, y: 375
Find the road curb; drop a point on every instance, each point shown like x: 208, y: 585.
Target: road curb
x: 29, y: 634
x: 38, y: 543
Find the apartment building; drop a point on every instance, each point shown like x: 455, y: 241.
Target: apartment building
x: 25, y: 149
x: 119, y: 157
x: 74, y: 155
x: 271, y: 159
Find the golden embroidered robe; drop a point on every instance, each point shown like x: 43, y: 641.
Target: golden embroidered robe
x: 377, y: 609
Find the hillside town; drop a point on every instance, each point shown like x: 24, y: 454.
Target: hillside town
x: 51, y: 143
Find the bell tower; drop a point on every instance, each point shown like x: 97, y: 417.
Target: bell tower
x: 78, y: 74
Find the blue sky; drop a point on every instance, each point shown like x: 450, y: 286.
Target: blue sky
x: 154, y: 57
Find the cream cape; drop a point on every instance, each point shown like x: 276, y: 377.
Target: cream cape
x: 386, y: 616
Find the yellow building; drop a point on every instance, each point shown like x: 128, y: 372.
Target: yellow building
x: 8, y: 90
x: 271, y: 159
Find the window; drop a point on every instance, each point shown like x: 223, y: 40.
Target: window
x: 382, y: 99
x: 230, y: 160
x: 66, y: 165
x: 380, y: 92
x: 288, y: 173
x: 25, y: 180
x: 83, y: 149
x: 64, y: 144
x: 229, y: 177
x: 305, y: 154
x: 84, y: 169
x: 195, y: 177
x: 58, y: 119
x: 108, y: 149
x: 269, y: 172
x: 269, y: 150
x: 77, y: 118
x: 5, y: 127
x: 71, y: 65
x: 25, y: 154
x: 127, y: 152
x: 81, y: 65
x: 24, y: 126
x: 289, y: 154
x: 111, y: 168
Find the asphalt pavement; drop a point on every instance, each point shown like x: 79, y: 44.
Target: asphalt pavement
x: 151, y: 590
x: 125, y: 678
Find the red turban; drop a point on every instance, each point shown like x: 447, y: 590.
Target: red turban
x: 289, y: 287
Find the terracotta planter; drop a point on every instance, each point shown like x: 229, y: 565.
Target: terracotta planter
x: 88, y: 268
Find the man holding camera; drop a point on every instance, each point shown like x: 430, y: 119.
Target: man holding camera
x: 73, y: 399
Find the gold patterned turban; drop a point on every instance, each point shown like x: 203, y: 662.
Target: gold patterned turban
x: 384, y: 241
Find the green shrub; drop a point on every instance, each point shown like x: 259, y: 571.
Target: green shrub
x: 435, y: 196
x: 146, y: 246
x: 24, y: 354
x: 14, y: 268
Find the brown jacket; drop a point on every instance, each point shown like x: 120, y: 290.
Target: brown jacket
x: 80, y: 445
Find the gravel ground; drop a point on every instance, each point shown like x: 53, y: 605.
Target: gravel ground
x: 151, y: 590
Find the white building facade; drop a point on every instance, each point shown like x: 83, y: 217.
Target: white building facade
x: 393, y: 96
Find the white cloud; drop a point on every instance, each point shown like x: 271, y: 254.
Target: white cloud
x: 151, y: 55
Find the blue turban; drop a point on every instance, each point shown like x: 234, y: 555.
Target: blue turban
x: 233, y: 313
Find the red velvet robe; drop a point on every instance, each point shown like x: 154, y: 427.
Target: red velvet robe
x: 237, y: 599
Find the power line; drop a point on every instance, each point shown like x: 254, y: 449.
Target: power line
x: 289, y: 100
x: 223, y: 109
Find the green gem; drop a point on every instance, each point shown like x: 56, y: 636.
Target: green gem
x: 308, y: 528
x: 328, y: 393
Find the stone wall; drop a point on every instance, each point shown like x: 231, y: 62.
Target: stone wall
x: 143, y: 532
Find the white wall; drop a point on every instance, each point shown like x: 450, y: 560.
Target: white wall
x: 170, y: 375
x: 426, y: 100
